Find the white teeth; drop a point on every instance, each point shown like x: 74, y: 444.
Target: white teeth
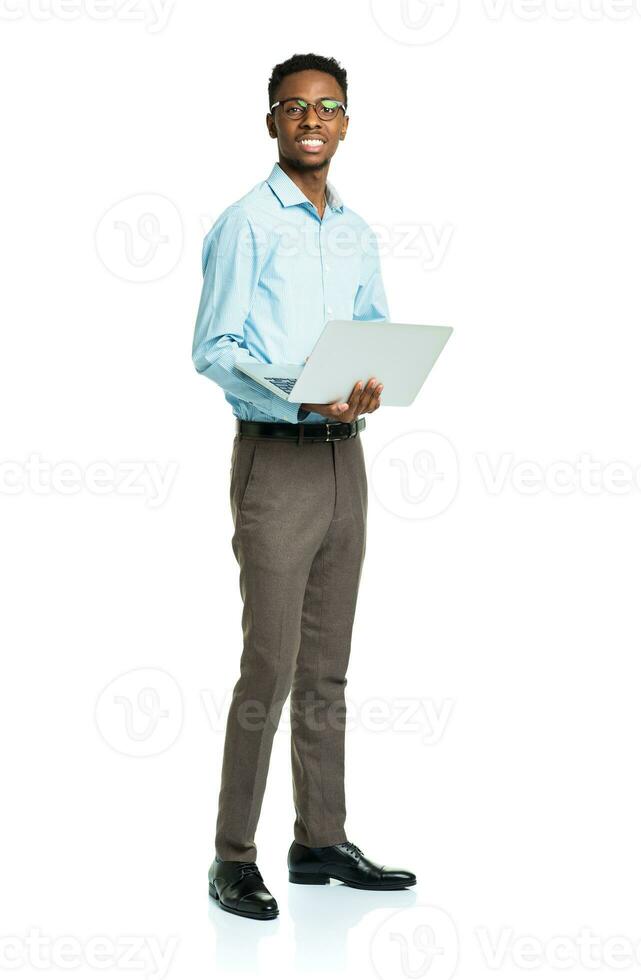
x: 312, y: 142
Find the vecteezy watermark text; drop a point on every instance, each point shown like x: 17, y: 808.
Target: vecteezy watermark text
x: 100, y: 477
x: 140, y: 713
x: 563, y: 10
x: 584, y: 949
x: 561, y: 476
x: 421, y: 716
x: 143, y: 954
x: 153, y: 13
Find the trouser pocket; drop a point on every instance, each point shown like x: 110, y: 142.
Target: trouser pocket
x: 243, y: 472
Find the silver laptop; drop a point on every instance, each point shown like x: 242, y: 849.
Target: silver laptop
x: 400, y: 355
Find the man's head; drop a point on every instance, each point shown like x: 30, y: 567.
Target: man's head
x: 310, y: 78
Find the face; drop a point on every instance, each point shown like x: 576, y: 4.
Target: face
x: 311, y: 86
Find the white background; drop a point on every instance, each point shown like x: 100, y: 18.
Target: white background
x: 493, y: 684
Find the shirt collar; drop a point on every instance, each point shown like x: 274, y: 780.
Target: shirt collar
x: 289, y: 193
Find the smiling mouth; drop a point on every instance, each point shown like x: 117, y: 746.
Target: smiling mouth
x: 311, y: 144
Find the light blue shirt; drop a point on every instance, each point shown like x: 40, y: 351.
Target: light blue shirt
x: 273, y: 274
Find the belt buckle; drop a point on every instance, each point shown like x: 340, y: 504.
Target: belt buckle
x: 328, y: 437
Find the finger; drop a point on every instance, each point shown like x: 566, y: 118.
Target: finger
x: 374, y: 400
x: 356, y: 394
x: 345, y: 410
x: 377, y: 397
x: 351, y: 408
x: 336, y: 409
x: 367, y: 394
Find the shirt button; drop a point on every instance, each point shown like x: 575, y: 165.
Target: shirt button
x: 330, y: 309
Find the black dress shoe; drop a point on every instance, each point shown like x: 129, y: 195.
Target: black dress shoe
x: 345, y: 861
x: 238, y: 887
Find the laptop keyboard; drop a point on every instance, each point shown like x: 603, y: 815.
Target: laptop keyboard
x: 285, y: 384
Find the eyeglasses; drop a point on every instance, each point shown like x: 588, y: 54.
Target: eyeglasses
x: 324, y: 108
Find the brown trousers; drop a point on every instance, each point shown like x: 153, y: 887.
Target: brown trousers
x: 300, y: 513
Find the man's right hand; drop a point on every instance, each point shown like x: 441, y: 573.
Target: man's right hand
x: 363, y: 399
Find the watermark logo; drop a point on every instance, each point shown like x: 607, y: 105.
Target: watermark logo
x: 140, y: 239
x: 140, y: 713
x: 415, y: 21
x: 416, y: 475
x: 417, y: 942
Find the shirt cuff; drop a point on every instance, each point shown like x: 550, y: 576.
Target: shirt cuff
x: 288, y: 411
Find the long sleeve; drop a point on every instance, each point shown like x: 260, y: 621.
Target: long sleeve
x: 370, y: 302
x: 231, y: 269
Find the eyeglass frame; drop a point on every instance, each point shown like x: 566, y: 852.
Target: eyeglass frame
x: 299, y: 98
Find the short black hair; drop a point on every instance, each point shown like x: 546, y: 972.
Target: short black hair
x: 303, y: 62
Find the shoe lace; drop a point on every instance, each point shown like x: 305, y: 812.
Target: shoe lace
x: 353, y: 848
x: 248, y: 868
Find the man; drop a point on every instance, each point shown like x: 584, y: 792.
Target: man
x: 277, y: 264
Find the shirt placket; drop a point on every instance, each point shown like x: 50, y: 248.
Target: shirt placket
x: 329, y: 307
x: 325, y: 264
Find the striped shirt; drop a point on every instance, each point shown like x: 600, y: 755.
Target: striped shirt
x: 274, y: 272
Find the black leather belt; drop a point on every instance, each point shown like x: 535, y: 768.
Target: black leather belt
x: 301, y: 432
